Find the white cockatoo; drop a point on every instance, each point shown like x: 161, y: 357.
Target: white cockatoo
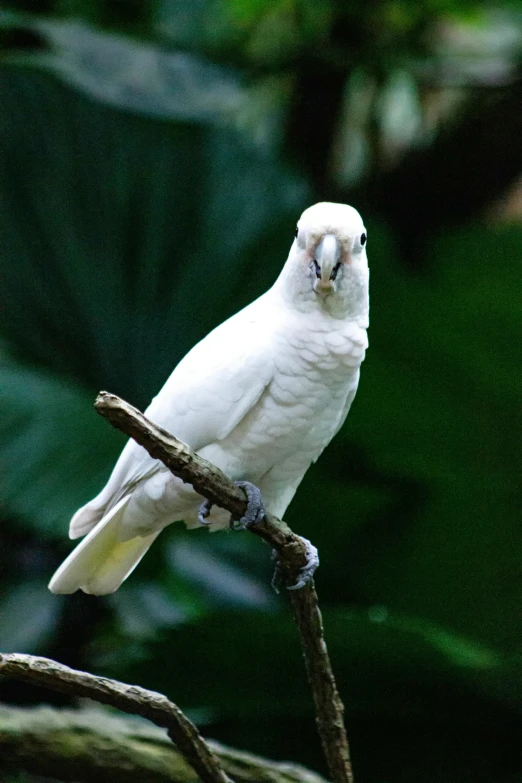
x: 260, y: 397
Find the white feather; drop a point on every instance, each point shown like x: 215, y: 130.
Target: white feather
x: 101, y: 562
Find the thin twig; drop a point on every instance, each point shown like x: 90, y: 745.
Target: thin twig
x: 212, y: 484
x: 128, y: 698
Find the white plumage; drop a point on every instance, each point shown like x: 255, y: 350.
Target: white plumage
x: 260, y: 397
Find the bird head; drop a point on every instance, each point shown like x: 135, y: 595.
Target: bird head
x: 327, y: 266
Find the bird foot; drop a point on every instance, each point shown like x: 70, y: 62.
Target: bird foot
x: 254, y: 513
x: 305, y: 573
x: 255, y: 510
x: 204, y: 511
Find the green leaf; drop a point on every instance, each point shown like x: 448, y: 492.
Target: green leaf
x: 135, y: 75
x: 55, y: 451
x: 137, y: 235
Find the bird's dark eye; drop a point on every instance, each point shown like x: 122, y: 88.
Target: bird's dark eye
x: 363, y: 239
x: 296, y: 231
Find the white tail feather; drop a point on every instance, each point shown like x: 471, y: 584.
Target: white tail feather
x: 101, y: 562
x: 89, y: 515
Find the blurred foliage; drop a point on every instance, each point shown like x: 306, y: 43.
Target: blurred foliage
x: 155, y: 157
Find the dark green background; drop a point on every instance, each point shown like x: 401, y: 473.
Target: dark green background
x: 144, y: 199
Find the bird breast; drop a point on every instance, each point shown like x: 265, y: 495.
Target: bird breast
x: 316, y: 371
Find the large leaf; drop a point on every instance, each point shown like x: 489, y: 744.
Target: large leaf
x: 136, y: 233
x: 133, y: 74
x: 55, y: 452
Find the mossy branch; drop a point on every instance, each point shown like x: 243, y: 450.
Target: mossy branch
x: 128, y: 698
x: 92, y: 745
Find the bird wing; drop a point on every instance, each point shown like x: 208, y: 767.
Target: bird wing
x: 209, y: 392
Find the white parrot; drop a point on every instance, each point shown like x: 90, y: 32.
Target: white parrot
x: 260, y: 397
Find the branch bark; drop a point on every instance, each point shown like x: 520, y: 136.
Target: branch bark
x: 212, y: 484
x: 128, y: 698
x: 205, y: 477
x: 90, y: 744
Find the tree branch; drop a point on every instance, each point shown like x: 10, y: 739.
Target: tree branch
x: 205, y: 477
x: 91, y: 744
x: 212, y: 484
x: 128, y: 698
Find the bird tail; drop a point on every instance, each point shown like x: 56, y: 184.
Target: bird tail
x: 101, y: 562
x: 88, y: 516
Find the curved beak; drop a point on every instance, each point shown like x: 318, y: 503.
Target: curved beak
x: 326, y: 264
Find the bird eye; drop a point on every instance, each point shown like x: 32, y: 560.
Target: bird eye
x: 363, y: 239
x: 296, y: 231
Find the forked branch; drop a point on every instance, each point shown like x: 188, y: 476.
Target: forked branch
x: 212, y: 484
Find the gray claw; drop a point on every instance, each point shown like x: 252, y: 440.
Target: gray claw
x: 255, y: 509
x: 305, y: 574
x: 204, y: 511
